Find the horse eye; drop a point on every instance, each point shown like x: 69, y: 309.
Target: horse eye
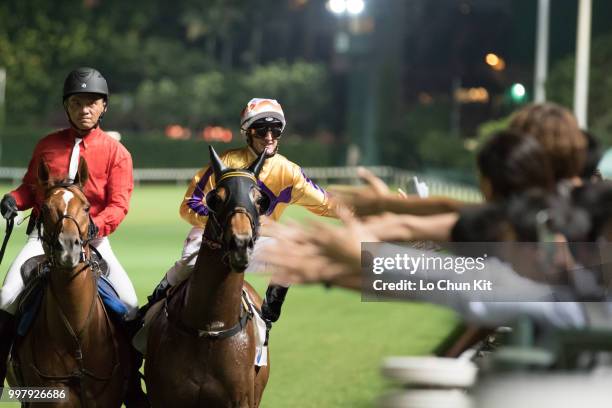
x: 86, y: 209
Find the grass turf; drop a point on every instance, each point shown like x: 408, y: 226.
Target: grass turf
x: 326, y: 349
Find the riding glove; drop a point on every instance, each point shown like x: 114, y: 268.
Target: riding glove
x: 8, y: 206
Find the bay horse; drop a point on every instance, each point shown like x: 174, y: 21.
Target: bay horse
x: 72, y: 342
x: 201, y: 348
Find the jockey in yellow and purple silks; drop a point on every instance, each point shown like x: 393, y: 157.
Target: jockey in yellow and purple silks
x: 282, y: 181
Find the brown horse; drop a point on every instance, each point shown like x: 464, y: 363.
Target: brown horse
x: 201, y: 350
x: 72, y: 342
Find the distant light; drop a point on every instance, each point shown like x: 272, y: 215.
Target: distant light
x: 472, y: 95
x: 355, y: 6
x: 177, y: 132
x: 337, y: 6
x: 518, y: 92
x: 296, y: 4
x: 496, y: 62
x: 492, y: 59
x: 217, y: 134
x: 425, y: 98
x: 501, y: 65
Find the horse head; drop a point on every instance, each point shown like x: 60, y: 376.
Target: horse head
x: 235, y: 205
x: 64, y: 217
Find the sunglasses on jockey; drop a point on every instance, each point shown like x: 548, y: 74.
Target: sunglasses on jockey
x: 261, y: 132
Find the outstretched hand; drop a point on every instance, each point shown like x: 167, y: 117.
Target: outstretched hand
x: 318, y: 253
x: 325, y: 253
x: 368, y: 199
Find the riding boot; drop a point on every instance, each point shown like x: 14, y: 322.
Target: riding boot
x: 272, y: 304
x: 159, y: 293
x: 135, y: 396
x: 8, y: 330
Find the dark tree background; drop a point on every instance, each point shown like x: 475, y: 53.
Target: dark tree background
x: 196, y: 63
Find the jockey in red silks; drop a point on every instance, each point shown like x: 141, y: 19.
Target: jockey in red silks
x: 108, y: 190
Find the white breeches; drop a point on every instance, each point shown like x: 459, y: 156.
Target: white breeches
x: 184, y: 266
x: 13, y: 282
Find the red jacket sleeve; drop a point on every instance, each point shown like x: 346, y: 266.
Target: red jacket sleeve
x: 25, y: 194
x: 118, y: 192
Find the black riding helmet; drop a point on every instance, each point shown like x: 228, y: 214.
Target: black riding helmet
x: 85, y: 80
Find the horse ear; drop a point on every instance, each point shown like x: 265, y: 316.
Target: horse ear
x: 216, y: 163
x: 43, y: 173
x: 257, y: 165
x: 82, y: 174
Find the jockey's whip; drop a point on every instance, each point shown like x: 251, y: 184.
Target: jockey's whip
x: 9, y: 229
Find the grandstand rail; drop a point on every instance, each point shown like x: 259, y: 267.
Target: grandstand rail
x: 322, y: 175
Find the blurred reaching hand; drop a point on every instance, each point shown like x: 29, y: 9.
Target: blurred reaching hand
x: 376, y: 184
x: 368, y: 199
x: 401, y: 193
x: 376, y: 198
x: 319, y: 252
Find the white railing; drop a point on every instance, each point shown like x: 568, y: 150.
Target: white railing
x: 323, y: 175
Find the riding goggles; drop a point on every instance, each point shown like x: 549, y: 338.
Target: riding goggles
x: 262, y: 132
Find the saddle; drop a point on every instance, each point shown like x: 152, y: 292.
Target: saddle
x: 34, y: 273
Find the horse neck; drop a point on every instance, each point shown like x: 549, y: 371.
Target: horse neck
x: 214, y: 292
x: 72, y: 296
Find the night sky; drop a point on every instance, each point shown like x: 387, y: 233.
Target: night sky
x: 432, y: 43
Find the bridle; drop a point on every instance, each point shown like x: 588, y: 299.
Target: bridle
x: 220, y: 219
x: 52, y: 242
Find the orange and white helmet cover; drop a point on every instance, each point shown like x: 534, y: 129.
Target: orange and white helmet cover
x: 259, y: 108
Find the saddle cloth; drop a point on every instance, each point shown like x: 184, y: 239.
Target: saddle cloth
x: 261, y: 344
x: 34, y: 273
